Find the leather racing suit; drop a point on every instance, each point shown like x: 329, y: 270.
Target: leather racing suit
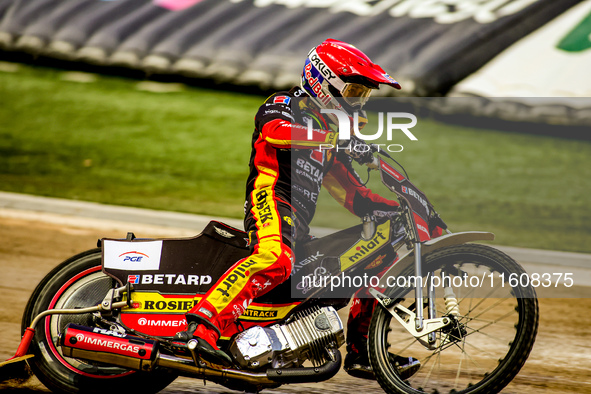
x: 287, y: 171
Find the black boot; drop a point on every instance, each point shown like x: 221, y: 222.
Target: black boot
x: 357, y: 362
x: 187, y: 335
x: 209, y: 353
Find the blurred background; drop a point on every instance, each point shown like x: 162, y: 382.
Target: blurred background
x: 151, y: 103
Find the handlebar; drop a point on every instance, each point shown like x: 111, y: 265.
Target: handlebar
x: 374, y: 164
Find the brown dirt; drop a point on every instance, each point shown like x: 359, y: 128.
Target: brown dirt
x: 29, y: 248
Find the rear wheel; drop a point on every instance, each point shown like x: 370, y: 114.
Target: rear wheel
x: 489, y: 340
x: 77, y: 283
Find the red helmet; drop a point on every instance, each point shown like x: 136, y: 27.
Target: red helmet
x: 335, y: 69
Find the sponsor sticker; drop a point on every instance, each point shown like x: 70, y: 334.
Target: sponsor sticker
x: 310, y: 259
x: 132, y: 256
x: 391, y: 171
x: 262, y: 206
x: 156, y: 322
x: 362, y: 249
x: 223, y: 233
x: 376, y: 263
x: 156, y: 302
x: 422, y: 228
x: 417, y: 196
x: 99, y: 344
x: 282, y: 100
x: 389, y: 78
x: 253, y: 313
x: 170, y: 279
x: 133, y: 279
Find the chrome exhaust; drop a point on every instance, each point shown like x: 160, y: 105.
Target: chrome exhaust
x: 270, y: 377
x: 122, y: 350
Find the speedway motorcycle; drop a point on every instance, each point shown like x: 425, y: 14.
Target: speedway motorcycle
x: 104, y: 320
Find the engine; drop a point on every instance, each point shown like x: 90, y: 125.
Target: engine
x: 304, y: 338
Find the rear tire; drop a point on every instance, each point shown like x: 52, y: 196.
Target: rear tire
x: 76, y: 283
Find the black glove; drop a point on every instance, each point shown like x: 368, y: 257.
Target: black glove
x: 357, y: 149
x: 436, y: 225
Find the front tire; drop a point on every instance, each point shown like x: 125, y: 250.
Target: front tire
x: 77, y: 283
x: 491, y: 336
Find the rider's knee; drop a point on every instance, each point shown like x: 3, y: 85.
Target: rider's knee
x: 286, y: 260
x: 278, y: 254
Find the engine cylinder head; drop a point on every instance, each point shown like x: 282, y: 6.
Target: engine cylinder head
x: 306, y: 336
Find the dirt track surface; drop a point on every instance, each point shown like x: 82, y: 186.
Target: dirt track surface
x: 31, y: 247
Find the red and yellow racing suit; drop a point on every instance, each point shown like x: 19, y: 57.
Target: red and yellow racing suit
x: 287, y: 170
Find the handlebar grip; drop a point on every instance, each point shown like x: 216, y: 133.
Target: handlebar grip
x: 374, y: 164
x: 437, y: 221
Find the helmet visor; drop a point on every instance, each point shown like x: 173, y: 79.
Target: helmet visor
x: 356, y: 94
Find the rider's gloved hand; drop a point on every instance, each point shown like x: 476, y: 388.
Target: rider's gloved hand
x: 436, y: 232
x: 436, y: 226
x: 357, y: 149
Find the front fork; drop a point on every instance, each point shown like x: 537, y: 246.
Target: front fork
x: 414, y: 322
x: 419, y: 288
x: 431, y: 308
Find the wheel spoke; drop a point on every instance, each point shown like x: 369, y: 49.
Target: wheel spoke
x: 491, y: 322
x: 412, y: 342
x: 431, y: 369
x: 499, y: 302
x: 487, y: 335
x: 460, y: 358
x: 480, y: 350
x: 498, y: 321
x: 472, y: 289
x: 486, y: 297
x: 464, y: 352
x: 459, y: 369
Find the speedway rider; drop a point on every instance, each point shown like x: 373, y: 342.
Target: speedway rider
x: 281, y: 194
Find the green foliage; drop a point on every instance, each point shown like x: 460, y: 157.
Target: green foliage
x: 110, y: 143
x: 188, y: 151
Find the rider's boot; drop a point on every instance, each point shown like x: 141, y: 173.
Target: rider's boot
x: 357, y: 359
x: 202, y: 327
x: 357, y: 362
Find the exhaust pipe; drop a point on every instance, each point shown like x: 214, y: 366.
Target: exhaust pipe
x: 308, y: 374
x: 96, y: 344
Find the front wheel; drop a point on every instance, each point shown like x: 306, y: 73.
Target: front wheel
x: 491, y: 335
x: 78, y: 283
